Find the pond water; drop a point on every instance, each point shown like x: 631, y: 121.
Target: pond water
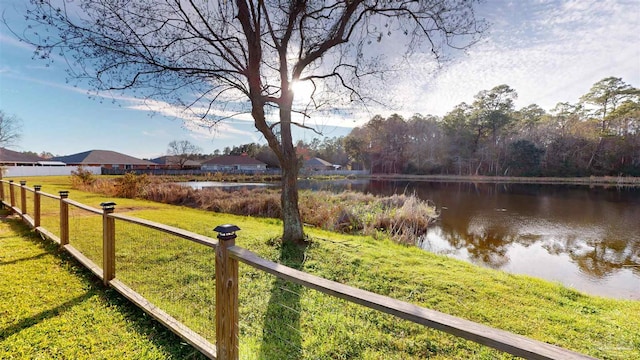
x: 220, y: 184
x: 585, y: 237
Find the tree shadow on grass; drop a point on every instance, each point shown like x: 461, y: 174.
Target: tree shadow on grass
x: 140, y: 322
x: 281, y: 337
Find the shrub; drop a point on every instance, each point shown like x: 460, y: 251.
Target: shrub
x: 348, y: 223
x: 82, y: 177
x: 131, y: 185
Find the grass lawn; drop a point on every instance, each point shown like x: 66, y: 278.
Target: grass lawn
x: 51, y: 308
x: 281, y: 320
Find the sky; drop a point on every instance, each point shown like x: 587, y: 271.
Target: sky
x: 549, y: 51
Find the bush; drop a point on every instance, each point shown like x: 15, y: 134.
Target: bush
x: 131, y: 186
x: 82, y: 177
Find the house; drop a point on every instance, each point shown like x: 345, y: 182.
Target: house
x: 317, y: 164
x: 233, y: 163
x: 15, y: 164
x: 14, y: 158
x: 176, y: 162
x: 106, y: 159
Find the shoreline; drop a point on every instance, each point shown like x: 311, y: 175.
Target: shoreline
x: 593, y: 180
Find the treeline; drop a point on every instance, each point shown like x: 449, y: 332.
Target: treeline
x: 599, y: 135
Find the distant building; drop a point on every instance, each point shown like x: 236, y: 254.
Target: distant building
x: 176, y: 162
x: 106, y: 159
x: 20, y: 164
x: 233, y: 163
x: 317, y: 164
x: 14, y: 158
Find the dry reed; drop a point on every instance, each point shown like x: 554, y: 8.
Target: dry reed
x: 402, y: 217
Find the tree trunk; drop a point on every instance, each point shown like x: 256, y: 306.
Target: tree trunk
x: 593, y: 154
x: 292, y: 222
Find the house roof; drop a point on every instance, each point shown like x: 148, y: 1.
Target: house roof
x: 51, y: 163
x: 102, y: 157
x: 317, y: 162
x: 173, y: 160
x: 233, y: 160
x: 10, y: 156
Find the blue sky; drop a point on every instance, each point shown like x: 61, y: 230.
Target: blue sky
x: 548, y: 51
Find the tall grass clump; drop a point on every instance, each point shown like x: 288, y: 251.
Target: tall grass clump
x: 403, y: 217
x: 131, y: 186
x: 82, y: 177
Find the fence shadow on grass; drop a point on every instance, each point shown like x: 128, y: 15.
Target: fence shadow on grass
x: 281, y: 337
x: 42, y: 316
x: 35, y: 257
x: 142, y: 323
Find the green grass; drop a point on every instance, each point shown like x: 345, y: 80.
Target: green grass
x: 281, y: 320
x: 51, y: 308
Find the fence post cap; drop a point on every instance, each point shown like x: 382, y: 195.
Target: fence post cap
x: 63, y: 193
x: 23, y: 182
x: 226, y: 231
x: 108, y: 205
x: 226, y: 228
x: 37, y: 187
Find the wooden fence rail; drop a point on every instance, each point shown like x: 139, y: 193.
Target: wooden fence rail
x: 226, y: 267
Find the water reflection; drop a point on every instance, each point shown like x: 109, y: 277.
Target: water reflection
x: 588, y: 238
x: 198, y: 185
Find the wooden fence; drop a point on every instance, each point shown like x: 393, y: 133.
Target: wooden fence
x: 227, y: 256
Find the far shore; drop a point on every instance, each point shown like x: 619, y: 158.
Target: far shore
x: 627, y: 181
x: 591, y: 180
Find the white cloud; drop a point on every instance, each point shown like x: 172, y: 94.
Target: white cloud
x: 548, y: 52
x: 11, y: 40
x: 221, y: 130
x: 200, y: 129
x: 156, y: 132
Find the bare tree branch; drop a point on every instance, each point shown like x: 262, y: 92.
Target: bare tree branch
x: 204, y: 56
x: 10, y: 129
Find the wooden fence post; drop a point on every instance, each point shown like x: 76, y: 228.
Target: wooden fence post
x: 12, y: 194
x: 1, y: 188
x: 108, y: 243
x: 36, y: 205
x: 64, y: 218
x: 226, y: 295
x: 23, y: 196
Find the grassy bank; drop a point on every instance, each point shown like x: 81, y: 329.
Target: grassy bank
x: 51, y: 308
x: 280, y: 320
x: 402, y: 217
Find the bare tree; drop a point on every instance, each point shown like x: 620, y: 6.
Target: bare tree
x: 221, y: 59
x: 182, y: 151
x: 10, y: 129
